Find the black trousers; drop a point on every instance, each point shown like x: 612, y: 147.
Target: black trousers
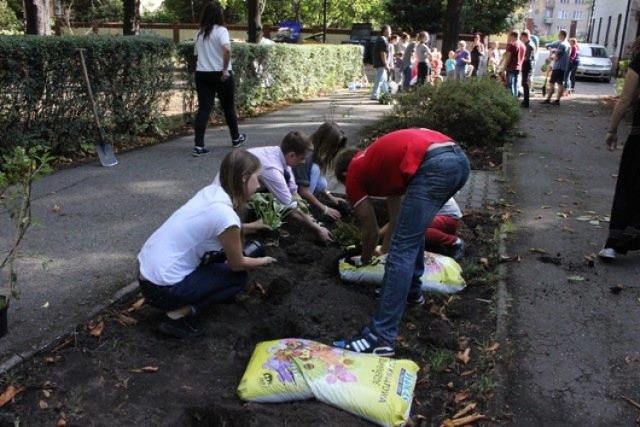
x: 423, y: 72
x: 526, y: 81
x: 208, y: 85
x: 624, y: 228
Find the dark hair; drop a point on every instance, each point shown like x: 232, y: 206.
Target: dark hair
x: 384, y: 28
x: 405, y: 36
x: 563, y: 32
x: 296, y: 142
x: 211, y: 15
x: 327, y: 140
x: 235, y: 170
x: 515, y: 34
x: 342, y: 162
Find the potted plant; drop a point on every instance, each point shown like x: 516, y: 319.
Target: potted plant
x: 18, y: 170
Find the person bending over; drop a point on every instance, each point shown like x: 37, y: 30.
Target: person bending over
x: 327, y: 140
x: 173, y: 276
x: 417, y: 171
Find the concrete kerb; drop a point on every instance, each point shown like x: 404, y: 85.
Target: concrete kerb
x: 502, y: 312
x: 117, y: 298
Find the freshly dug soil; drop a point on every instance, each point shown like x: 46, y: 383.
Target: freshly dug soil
x: 99, y: 380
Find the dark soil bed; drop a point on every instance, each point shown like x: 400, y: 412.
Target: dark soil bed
x: 103, y: 379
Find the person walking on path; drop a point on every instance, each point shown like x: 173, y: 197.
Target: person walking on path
x: 381, y: 63
x: 214, y: 76
x: 512, y: 62
x: 427, y: 168
x: 624, y: 226
x: 527, y: 66
x: 173, y: 275
x: 462, y: 57
x: 560, y: 66
x: 477, y: 54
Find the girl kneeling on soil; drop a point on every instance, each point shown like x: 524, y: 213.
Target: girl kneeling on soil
x: 172, y: 274
x: 326, y: 141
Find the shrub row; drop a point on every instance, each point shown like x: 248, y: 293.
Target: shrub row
x: 265, y: 74
x: 44, y: 97
x: 476, y: 112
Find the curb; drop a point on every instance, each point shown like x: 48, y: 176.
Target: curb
x: 118, y: 297
x: 502, y: 313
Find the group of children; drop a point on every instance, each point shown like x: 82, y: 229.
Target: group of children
x: 177, y: 273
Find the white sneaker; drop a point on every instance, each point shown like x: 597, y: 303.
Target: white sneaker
x: 607, y: 254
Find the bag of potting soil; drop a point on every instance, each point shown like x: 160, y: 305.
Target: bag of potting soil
x: 442, y: 274
x: 375, y: 388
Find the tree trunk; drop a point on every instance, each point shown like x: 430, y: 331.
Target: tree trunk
x: 452, y: 25
x: 37, y: 17
x: 254, y: 27
x: 131, y: 21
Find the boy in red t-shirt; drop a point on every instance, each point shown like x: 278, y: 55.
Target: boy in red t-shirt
x: 427, y: 168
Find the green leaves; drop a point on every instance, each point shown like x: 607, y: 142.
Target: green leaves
x: 268, y: 209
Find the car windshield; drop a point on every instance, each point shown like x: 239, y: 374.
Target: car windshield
x: 592, y: 51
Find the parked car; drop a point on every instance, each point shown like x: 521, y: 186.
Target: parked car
x: 595, y: 62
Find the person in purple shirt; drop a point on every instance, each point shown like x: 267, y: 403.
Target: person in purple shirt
x: 462, y: 57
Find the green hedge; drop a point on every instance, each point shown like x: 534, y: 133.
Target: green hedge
x: 477, y: 112
x: 44, y: 98
x: 265, y: 74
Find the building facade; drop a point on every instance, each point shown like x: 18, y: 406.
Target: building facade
x: 614, y: 24
x: 547, y: 17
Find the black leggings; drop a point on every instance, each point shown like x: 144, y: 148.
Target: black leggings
x: 624, y: 228
x: 423, y: 72
x: 208, y: 84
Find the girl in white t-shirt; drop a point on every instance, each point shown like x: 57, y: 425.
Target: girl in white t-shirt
x: 173, y: 276
x: 213, y: 76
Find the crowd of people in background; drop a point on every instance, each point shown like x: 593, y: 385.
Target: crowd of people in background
x: 402, y: 62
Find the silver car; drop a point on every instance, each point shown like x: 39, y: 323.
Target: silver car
x: 594, y: 62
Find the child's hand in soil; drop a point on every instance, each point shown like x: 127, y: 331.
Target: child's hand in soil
x: 255, y: 226
x: 267, y: 260
x: 333, y: 214
x: 324, y: 234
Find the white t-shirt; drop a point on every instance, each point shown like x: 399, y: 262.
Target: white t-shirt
x: 210, y: 51
x: 176, y: 248
x: 451, y: 209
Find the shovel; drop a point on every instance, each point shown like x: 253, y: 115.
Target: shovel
x: 103, y: 148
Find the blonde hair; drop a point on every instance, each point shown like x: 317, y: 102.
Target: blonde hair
x: 235, y: 170
x: 327, y: 140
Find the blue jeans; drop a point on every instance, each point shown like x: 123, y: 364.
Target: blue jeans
x: 512, y: 82
x: 206, y: 285
x: 406, y: 78
x: 442, y: 173
x: 460, y: 72
x: 317, y: 182
x: 380, y: 84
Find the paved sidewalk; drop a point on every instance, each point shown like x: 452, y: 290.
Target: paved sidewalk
x: 575, y: 344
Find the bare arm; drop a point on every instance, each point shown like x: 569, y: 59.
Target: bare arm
x: 626, y: 96
x: 226, y: 58
x: 311, y: 198
x: 232, y: 245
x: 369, y: 225
x: 308, y: 222
x: 393, y: 207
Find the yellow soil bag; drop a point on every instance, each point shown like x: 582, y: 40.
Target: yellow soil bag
x: 442, y: 274
x: 375, y: 388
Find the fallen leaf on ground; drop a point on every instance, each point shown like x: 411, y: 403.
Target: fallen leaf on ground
x: 484, y: 262
x: 9, y: 393
x: 52, y: 360
x: 149, y: 369
x: 45, y: 305
x: 463, y: 356
x: 494, y: 347
x: 631, y: 359
x: 411, y: 327
x: 66, y: 343
x: 123, y: 383
x: 43, y: 405
x: 575, y: 279
x: 463, y: 421
x: 96, y: 327
x: 55, y: 209
x: 467, y: 373
x: 136, y: 305
x: 538, y: 251
x: 62, y: 422
x: 261, y: 288
x: 460, y: 396
x: 186, y: 387
x: 124, y: 320
x: 470, y: 407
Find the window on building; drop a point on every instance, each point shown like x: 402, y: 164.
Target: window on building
x: 606, y: 35
x: 599, y: 28
x: 579, y: 1
x: 615, y: 40
x: 577, y: 15
x: 562, y: 14
x: 548, y: 13
x: 564, y: 1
